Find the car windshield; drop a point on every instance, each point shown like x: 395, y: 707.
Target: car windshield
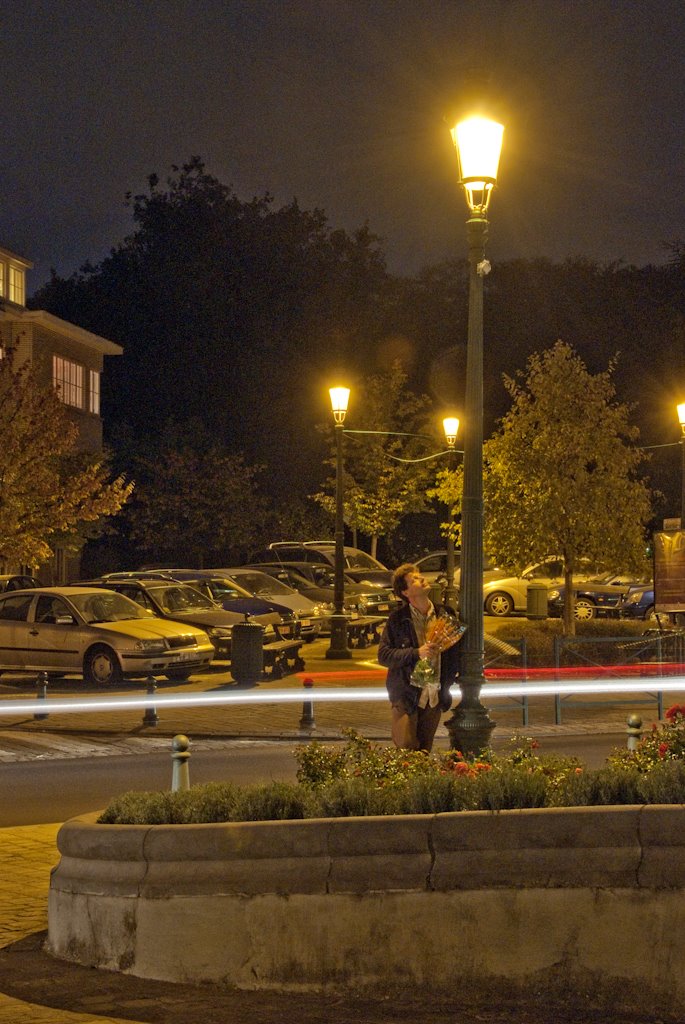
x: 106, y: 606
x: 176, y: 597
x: 360, y: 560
x: 261, y: 585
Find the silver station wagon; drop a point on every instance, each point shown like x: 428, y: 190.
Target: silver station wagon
x: 97, y: 633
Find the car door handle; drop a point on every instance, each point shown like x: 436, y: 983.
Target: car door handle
x: 34, y: 632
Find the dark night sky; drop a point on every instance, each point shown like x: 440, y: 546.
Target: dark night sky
x: 339, y: 103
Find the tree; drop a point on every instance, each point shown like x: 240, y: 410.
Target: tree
x: 195, y: 501
x: 561, y: 475
x: 48, y: 489
x: 385, y: 475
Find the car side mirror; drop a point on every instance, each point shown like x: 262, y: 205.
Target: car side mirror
x: 64, y: 620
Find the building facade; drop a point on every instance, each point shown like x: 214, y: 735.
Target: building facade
x: 68, y: 357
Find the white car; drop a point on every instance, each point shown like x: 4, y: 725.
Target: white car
x: 509, y: 594
x: 433, y: 567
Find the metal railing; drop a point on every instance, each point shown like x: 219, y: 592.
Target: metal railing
x: 656, y: 654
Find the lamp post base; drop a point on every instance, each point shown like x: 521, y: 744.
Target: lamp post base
x: 338, y: 649
x: 470, y: 730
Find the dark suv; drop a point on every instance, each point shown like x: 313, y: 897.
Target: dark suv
x: 359, y: 566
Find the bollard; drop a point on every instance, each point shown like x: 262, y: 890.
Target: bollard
x: 180, y: 773
x: 634, y: 731
x: 41, y: 693
x: 307, y: 721
x: 150, y: 717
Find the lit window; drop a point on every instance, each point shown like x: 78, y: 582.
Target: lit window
x: 3, y: 279
x: 67, y: 378
x: 94, y: 392
x: 17, y: 288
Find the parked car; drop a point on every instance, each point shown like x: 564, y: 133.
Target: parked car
x: 18, y: 582
x: 316, y: 580
x: 180, y: 602
x: 228, y: 595
x: 359, y: 566
x: 601, y: 595
x: 638, y: 603
x: 433, y: 566
x: 96, y: 632
x: 260, y: 584
x: 506, y: 595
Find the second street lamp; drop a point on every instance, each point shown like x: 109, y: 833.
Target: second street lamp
x: 681, y: 418
x: 451, y: 427
x: 338, y: 646
x: 479, y: 142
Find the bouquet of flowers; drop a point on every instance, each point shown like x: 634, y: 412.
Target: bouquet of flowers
x: 443, y: 633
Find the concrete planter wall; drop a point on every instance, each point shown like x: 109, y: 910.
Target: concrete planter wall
x: 586, y: 897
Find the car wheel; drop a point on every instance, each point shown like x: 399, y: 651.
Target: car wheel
x: 499, y: 604
x: 650, y: 615
x: 180, y: 675
x: 101, y: 667
x: 584, y: 610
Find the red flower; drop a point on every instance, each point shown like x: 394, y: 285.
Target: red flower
x: 663, y: 749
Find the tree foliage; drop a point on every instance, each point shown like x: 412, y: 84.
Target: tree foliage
x: 562, y: 472
x: 195, y: 501
x: 384, y: 473
x: 48, y: 489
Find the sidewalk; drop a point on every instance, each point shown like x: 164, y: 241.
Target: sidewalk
x: 38, y: 990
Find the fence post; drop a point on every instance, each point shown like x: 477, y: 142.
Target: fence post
x: 557, y: 696
x: 307, y: 721
x: 150, y: 717
x: 524, y: 665
x: 41, y: 693
x: 180, y: 772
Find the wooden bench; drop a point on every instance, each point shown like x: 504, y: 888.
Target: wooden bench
x: 365, y: 631
x: 282, y: 657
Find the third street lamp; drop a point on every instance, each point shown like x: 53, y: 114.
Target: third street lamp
x: 338, y: 646
x: 478, y: 141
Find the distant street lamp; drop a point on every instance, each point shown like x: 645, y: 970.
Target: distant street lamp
x: 681, y: 418
x: 451, y: 427
x: 338, y: 646
x: 479, y: 142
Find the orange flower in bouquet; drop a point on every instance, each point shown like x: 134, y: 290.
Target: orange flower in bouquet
x: 444, y: 632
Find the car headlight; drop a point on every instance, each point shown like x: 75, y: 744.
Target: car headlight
x: 553, y: 595
x: 633, y: 598
x: 219, y: 632
x: 363, y: 604
x: 151, y: 646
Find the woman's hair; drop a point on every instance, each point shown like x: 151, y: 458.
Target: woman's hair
x: 399, y: 584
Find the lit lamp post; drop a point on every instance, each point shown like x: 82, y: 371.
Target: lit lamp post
x: 478, y: 142
x: 338, y: 646
x: 451, y: 427
x: 681, y: 418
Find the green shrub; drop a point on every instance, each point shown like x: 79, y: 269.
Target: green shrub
x: 363, y: 778
x: 540, y: 636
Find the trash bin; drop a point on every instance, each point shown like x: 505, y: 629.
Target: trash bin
x: 536, y: 601
x: 247, y: 653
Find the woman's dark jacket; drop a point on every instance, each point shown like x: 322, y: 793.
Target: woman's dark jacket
x: 398, y: 651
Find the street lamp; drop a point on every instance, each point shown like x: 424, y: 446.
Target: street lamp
x: 338, y: 646
x: 681, y: 418
x: 451, y: 427
x: 478, y: 142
